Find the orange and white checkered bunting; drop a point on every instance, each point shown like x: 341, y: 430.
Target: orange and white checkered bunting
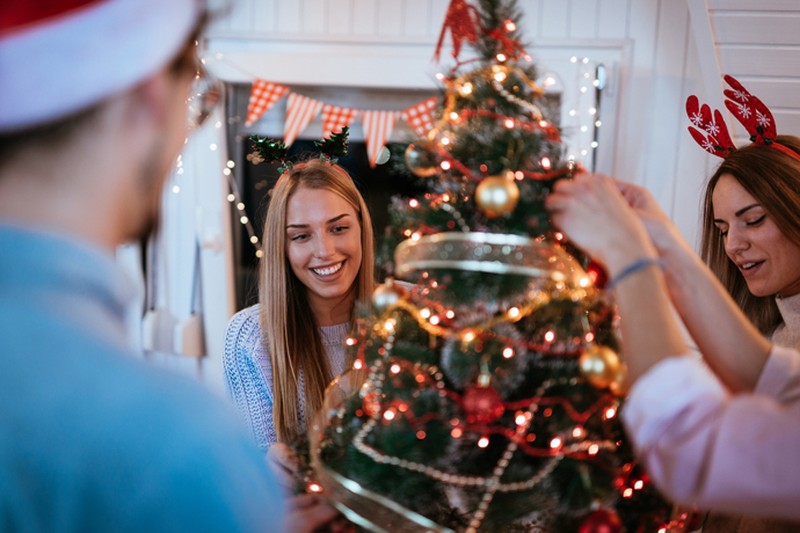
x: 335, y: 117
x: 420, y: 115
x: 263, y: 96
x: 300, y: 110
x: 378, y: 127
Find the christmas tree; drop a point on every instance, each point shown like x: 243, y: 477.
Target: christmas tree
x: 485, y: 390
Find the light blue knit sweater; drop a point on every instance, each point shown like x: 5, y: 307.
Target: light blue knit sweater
x: 248, y: 371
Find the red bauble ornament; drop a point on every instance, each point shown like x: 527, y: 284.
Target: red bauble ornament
x: 601, y: 521
x: 691, y: 520
x: 371, y: 403
x: 598, y: 274
x: 482, y: 404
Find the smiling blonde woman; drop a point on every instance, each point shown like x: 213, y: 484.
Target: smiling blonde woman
x: 281, y: 353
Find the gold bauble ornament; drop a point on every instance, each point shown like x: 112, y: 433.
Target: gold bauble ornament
x: 620, y: 385
x: 386, y: 295
x: 420, y: 160
x: 601, y: 367
x: 497, y: 195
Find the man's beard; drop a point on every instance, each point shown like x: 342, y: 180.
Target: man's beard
x: 153, y: 177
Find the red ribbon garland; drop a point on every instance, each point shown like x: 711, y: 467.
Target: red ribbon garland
x: 549, y: 129
x: 512, y: 47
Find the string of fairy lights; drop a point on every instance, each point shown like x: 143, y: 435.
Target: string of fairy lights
x: 591, y: 81
x: 234, y: 197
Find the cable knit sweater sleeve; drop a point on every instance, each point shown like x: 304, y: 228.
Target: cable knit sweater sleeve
x: 249, y: 375
x: 706, y: 447
x: 248, y: 371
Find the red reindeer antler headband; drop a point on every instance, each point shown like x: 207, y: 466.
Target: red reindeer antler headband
x: 749, y: 110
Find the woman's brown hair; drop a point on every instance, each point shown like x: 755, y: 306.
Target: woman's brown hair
x: 773, y: 179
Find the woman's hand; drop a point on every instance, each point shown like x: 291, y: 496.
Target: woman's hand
x: 306, y: 512
x: 662, y: 231
x: 592, y: 211
x: 284, y: 463
x: 639, y: 198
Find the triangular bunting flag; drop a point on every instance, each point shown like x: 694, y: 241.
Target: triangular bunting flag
x: 263, y: 96
x: 300, y: 110
x: 377, y: 128
x: 420, y: 116
x: 335, y: 117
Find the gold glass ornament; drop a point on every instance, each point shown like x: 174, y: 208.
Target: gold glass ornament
x: 420, y: 160
x: 386, y: 295
x: 620, y: 385
x: 600, y: 365
x: 497, y: 195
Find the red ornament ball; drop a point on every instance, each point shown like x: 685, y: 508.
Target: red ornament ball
x: 692, y: 520
x: 371, y: 403
x: 598, y: 274
x: 482, y: 404
x: 601, y: 521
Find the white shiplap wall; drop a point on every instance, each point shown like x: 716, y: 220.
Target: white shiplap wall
x: 389, y: 44
x: 759, y: 44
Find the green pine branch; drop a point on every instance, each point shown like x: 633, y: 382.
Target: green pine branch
x: 334, y: 146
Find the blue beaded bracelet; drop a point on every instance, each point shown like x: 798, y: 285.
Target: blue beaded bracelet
x: 634, y: 267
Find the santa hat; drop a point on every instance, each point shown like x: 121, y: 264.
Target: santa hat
x: 58, y: 57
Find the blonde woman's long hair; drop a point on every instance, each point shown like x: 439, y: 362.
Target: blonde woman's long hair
x: 289, y: 331
x: 773, y: 179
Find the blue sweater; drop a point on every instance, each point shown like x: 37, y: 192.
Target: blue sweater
x: 93, y: 438
x: 248, y: 371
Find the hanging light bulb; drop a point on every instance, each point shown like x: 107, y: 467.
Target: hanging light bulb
x: 465, y: 89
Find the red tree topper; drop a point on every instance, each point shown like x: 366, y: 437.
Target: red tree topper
x: 461, y: 20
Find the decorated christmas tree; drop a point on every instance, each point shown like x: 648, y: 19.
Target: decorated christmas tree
x: 486, y: 384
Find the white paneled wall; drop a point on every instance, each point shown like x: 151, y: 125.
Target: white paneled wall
x: 759, y: 44
x: 388, y: 44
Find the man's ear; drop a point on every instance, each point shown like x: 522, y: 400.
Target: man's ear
x: 150, y: 98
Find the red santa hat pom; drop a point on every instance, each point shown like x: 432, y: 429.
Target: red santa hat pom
x: 58, y: 57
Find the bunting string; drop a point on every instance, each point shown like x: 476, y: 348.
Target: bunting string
x: 335, y: 117
x: 263, y: 96
x: 378, y: 126
x: 301, y: 110
x: 420, y: 116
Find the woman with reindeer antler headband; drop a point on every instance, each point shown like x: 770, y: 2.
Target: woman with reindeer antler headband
x: 751, y: 220
x: 751, y: 243
x: 751, y: 232
x: 722, y: 436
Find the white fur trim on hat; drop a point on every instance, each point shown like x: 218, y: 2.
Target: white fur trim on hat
x: 65, y: 64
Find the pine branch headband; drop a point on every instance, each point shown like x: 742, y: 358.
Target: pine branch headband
x: 748, y: 110
x: 268, y: 150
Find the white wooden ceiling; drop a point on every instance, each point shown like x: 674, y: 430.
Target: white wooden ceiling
x: 757, y: 42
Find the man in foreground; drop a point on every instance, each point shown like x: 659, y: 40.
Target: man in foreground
x: 92, y: 116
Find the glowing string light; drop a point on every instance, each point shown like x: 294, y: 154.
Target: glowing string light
x: 234, y: 197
